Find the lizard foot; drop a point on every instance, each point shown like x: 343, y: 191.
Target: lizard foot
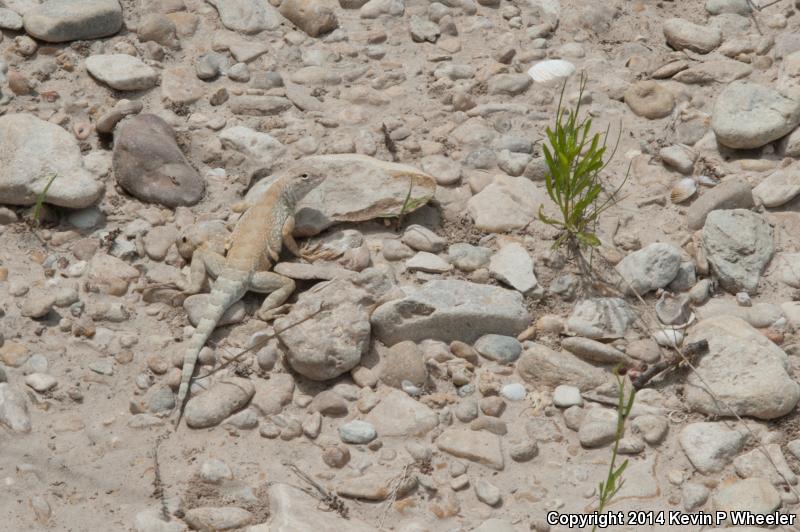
x: 273, y: 313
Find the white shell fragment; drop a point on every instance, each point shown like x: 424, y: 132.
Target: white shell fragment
x: 683, y: 190
x: 668, y: 337
x: 551, y: 70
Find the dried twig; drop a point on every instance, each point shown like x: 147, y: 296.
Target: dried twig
x: 391, y: 147
x: 333, y: 502
x: 158, y: 484
x: 393, y: 497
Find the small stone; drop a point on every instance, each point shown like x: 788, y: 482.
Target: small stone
x: 401, y: 362
x: 428, y: 262
x: 481, y: 447
x: 694, y: 496
x: 218, y: 518
x: 421, y: 238
x: 710, y: 446
x: 122, y: 72
x: 499, y: 348
x: 523, y: 451
x: 218, y: 402
x: 565, y: 396
x: 41, y: 382
x: 487, y: 492
x: 492, y: 406
x: 514, y: 266
x: 682, y: 34
x: 14, y: 409
x: 649, y: 268
x: 652, y: 428
x: 311, y: 16
x: 357, y: 432
x: 599, y: 427
x: 67, y: 20
x: 466, y: 411
x: 513, y: 392
x: 649, y: 99
x: 38, y: 304
x: 336, y: 456
x: 467, y: 257
x: 215, y: 471
x: 329, y: 404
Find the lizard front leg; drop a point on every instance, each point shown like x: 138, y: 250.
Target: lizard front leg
x: 291, y: 244
x: 204, y: 262
x: 279, y: 289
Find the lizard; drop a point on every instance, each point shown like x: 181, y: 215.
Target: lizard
x: 253, y: 248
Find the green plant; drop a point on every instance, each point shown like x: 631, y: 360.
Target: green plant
x: 40, y: 199
x: 614, y: 480
x: 574, y: 161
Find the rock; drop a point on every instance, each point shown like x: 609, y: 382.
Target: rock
x: 149, y: 164
x: 487, y: 492
x: 122, y: 72
x: 375, y: 8
x: 467, y: 257
x: 293, y: 509
x: 111, y: 275
x: 509, y: 84
x: 72, y: 20
x: 443, y: 169
x: 711, y: 446
x: 513, y: 266
x: 218, y: 402
x: 600, y: 318
x: 398, y: 415
x: 753, y: 495
x: 253, y: 105
x: 217, y: 518
x: 694, y: 495
x: 247, y: 16
x: 737, y: 7
x: 41, y: 382
x: 215, y: 471
x: 775, y: 469
x: 724, y: 71
x: 524, y: 451
x: 733, y: 193
x: 594, y: 351
x: 599, y: 427
x: 450, y: 310
x: 499, y: 348
x: 760, y: 315
x: 153, y: 521
x: 482, y: 447
x: 9, y: 20
x: 423, y: 29
x: 678, y: 157
x: 402, y: 362
x: 357, y: 431
x: 421, y: 238
x: 38, y: 304
x: 159, y: 29
x: 747, y: 115
x: 180, y: 86
x: 507, y: 204
x: 262, y: 149
x: 513, y: 391
x: 329, y: 404
x: 738, y: 244
x: 654, y: 266
x: 743, y: 368
x: 541, y: 366
x: 376, y: 486
x: 428, y: 262
x: 682, y: 34
x: 34, y: 150
x: 107, y: 122
x: 565, y: 396
x: 778, y: 188
x: 652, y: 428
x: 649, y: 99
x: 272, y: 395
x: 312, y: 16
x: 14, y: 409
x: 333, y: 341
x: 358, y: 188
x: 790, y: 269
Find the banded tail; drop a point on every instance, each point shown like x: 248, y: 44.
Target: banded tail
x: 229, y: 288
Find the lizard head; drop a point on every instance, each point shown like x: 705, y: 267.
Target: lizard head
x: 303, y: 180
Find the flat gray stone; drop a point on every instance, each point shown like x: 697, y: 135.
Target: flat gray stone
x: 541, y: 366
x: 247, y: 16
x: 778, y: 188
x: 122, y: 72
x: 398, y: 415
x: 477, y: 446
x: 649, y: 268
x: 450, y: 310
x: 738, y: 244
x: 600, y: 318
x: 682, y: 34
x: 14, y: 409
x: 732, y: 193
x: 499, y: 348
x: 218, y: 402
x: 72, y: 20
x: 513, y: 265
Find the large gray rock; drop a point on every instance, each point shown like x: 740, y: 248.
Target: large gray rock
x: 31, y: 151
x: 247, y: 16
x: 72, y: 20
x: 738, y: 244
x: 333, y: 341
x: 122, y: 72
x: 649, y: 268
x: 711, y: 446
x: 747, y: 115
x: 541, y: 366
x: 150, y: 166
x: 357, y: 188
x: 450, y: 310
x: 600, y: 318
x: 732, y: 193
x: 743, y: 368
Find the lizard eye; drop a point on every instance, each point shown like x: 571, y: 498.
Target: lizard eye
x: 304, y: 176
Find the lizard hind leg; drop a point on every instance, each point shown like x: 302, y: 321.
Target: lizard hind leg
x: 279, y: 289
